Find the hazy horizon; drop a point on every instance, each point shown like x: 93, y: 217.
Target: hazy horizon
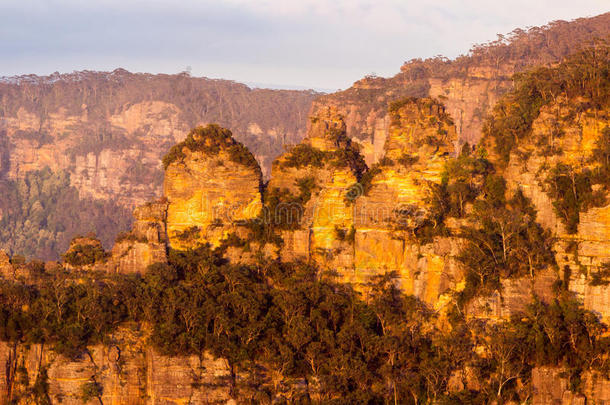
x: 317, y: 44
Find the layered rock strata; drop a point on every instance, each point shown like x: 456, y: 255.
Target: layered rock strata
x: 211, y: 186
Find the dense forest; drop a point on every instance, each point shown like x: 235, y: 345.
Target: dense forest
x: 232, y: 105
x: 42, y: 212
x: 323, y: 341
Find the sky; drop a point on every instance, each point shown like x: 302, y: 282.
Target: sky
x: 319, y: 44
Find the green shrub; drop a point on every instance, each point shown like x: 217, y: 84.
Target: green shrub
x: 305, y: 155
x: 340, y: 233
x: 366, y: 180
x: 307, y: 185
x: 601, y: 157
x: 407, y: 160
x: 572, y: 193
x: 507, y: 242
x: 86, y: 254
x: 90, y: 390
x: 127, y: 236
x: 211, y: 140
x: 190, y: 234
x: 601, y: 277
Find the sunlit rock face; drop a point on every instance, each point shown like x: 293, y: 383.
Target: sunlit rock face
x: 316, y: 177
x: 363, y: 227
x: 212, y: 185
x: 398, y: 199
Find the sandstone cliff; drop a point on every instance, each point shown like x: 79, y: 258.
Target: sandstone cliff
x: 410, y: 214
x: 308, y: 191
x: 362, y: 224
x: 111, y: 129
x: 212, y: 183
x: 398, y: 201
x: 124, y: 372
x: 561, y: 140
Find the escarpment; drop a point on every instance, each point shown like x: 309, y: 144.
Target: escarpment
x: 468, y: 86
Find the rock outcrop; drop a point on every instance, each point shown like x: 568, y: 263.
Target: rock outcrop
x: 86, y: 253
x: 365, y: 227
x: 311, y: 185
x: 110, y: 129
x: 212, y: 184
x: 146, y: 243
x: 398, y: 201
x: 6, y: 269
x: 330, y: 209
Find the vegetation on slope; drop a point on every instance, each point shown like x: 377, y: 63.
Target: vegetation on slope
x: 505, y: 242
x: 291, y: 323
x: 231, y: 104
x: 41, y: 213
x: 582, y: 85
x: 514, y: 52
x: 211, y: 140
x: 325, y: 342
x: 347, y: 155
x: 584, y: 79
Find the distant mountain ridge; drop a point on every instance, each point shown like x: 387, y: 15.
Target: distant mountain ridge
x: 108, y: 130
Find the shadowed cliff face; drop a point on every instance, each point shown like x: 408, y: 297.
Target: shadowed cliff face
x: 127, y: 372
